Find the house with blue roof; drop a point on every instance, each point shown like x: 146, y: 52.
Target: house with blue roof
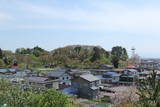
x: 110, y: 77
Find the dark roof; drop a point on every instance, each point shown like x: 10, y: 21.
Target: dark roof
x: 77, y: 73
x: 112, y: 73
x: 127, y: 75
x: 89, y: 77
x: 118, y: 70
x: 36, y: 79
x: 100, y: 70
x: 57, y: 73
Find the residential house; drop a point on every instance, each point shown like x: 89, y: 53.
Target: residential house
x: 131, y: 67
x: 42, y: 82
x: 158, y: 75
x: 99, y: 71
x: 87, y: 86
x: 62, y: 75
x: 128, y: 79
x: 149, y: 64
x: 119, y: 71
x: 110, y: 77
x: 133, y: 72
x: 144, y: 75
x: 12, y: 73
x: 76, y: 73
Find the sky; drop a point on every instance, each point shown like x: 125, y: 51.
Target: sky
x: 52, y: 24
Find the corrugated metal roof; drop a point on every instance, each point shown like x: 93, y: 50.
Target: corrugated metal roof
x: 89, y: 77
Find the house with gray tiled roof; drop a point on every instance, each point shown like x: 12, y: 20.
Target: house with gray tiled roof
x: 87, y: 86
x: 62, y: 75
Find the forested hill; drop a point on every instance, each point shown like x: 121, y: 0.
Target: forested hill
x: 80, y: 56
x: 75, y: 56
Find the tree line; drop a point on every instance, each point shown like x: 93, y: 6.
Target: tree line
x: 75, y: 56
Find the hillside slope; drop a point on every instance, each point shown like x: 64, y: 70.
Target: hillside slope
x: 79, y: 56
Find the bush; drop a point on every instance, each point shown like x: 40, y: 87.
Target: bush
x: 17, y: 97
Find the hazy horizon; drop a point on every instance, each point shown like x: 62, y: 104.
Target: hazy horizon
x: 105, y: 23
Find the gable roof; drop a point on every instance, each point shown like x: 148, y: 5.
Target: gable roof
x: 89, y: 77
x: 57, y: 73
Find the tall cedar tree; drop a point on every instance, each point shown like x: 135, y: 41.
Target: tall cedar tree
x: 96, y: 54
x: 118, y: 53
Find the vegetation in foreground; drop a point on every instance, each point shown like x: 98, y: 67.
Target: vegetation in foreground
x: 13, y: 96
x: 149, y: 91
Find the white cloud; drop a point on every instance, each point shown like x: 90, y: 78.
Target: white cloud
x: 105, y: 16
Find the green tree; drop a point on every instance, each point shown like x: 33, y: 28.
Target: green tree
x: 118, y: 53
x: 96, y: 54
x: 1, y: 54
x: 115, y: 61
x: 51, y: 98
x: 6, y: 61
x: 15, y: 96
x: 149, y: 91
x: 2, y: 64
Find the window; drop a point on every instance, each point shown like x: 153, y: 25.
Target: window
x: 67, y: 78
x: 97, y: 83
x: 63, y: 78
x: 91, y: 84
x: 114, y: 78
